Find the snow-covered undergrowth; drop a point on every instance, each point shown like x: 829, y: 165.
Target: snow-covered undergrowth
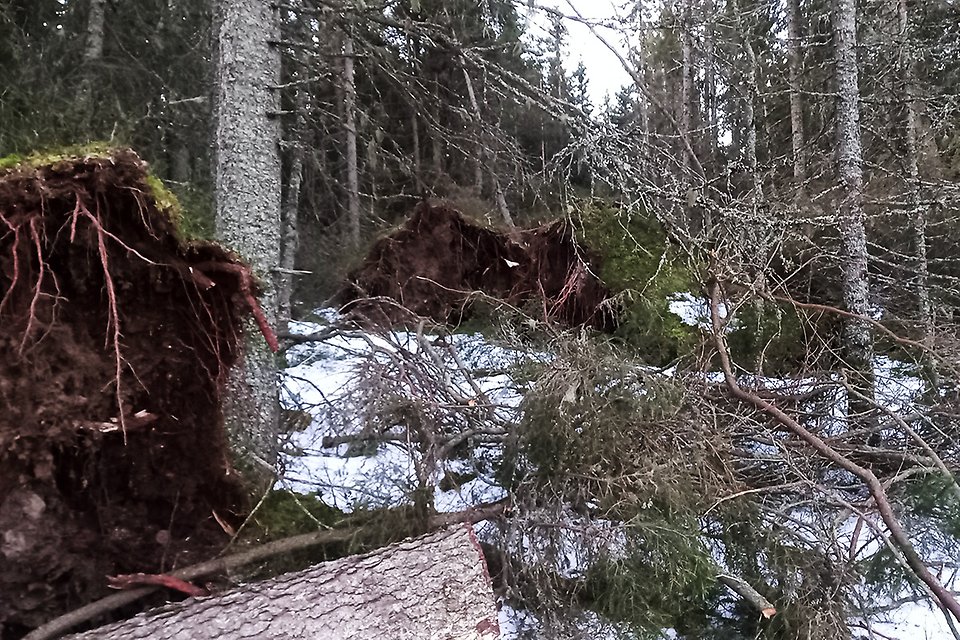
x: 393, y: 412
x: 348, y: 381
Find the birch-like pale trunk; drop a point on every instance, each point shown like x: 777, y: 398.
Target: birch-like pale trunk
x: 93, y: 47
x: 247, y: 175
x: 686, y: 87
x: 915, y: 185
x: 350, y: 125
x: 417, y: 164
x: 858, y: 340
x: 795, y: 65
x: 749, y: 114
x: 289, y: 213
x: 485, y: 153
x: 710, y: 84
x: 436, y: 138
x: 92, y: 53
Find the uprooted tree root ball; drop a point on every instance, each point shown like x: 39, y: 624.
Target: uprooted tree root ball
x: 115, y: 339
x: 439, y: 261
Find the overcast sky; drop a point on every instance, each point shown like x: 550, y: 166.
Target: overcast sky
x: 606, y: 74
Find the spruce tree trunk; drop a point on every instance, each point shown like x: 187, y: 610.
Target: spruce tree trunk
x: 92, y: 53
x: 915, y: 185
x: 434, y: 586
x: 858, y: 340
x: 796, y: 101
x: 247, y: 174
x: 350, y: 123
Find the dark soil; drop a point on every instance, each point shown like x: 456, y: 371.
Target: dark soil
x: 438, y: 264
x: 115, y: 337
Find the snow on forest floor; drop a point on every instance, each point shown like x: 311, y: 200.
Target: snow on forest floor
x: 322, y: 376
x: 321, y: 380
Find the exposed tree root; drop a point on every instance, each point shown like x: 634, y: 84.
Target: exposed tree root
x: 436, y: 263
x: 115, y: 339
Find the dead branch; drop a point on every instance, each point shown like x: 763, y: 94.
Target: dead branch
x: 743, y: 589
x: 132, y: 580
x: 897, y: 533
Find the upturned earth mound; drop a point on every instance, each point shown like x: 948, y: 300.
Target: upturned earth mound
x: 115, y: 338
x: 438, y: 263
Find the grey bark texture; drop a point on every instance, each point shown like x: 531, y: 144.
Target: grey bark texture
x: 248, y: 206
x: 710, y: 110
x: 686, y: 86
x: 485, y: 152
x: 93, y: 49
x: 92, y: 53
x: 796, y: 101
x: 417, y: 169
x: 290, y: 206
x: 350, y: 124
x: 434, y: 586
x: 858, y: 341
x: 749, y: 110
x: 915, y: 185
x: 290, y: 210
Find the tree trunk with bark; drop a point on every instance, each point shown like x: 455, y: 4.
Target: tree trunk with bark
x: 92, y: 53
x: 795, y: 61
x: 350, y: 124
x: 485, y: 152
x: 434, y: 586
x: 710, y: 107
x: 289, y: 209
x: 858, y: 340
x: 915, y: 186
x: 749, y: 111
x: 686, y: 87
x: 247, y: 175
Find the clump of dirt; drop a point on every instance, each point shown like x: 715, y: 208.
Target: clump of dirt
x: 115, y: 339
x: 438, y: 262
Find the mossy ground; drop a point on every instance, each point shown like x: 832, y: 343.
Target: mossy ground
x: 644, y: 271
x: 54, y: 155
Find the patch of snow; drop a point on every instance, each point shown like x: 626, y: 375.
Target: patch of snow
x: 911, y: 621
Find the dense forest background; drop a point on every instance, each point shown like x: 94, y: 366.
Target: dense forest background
x: 789, y: 168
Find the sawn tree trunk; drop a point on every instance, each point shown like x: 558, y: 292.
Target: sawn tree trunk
x: 435, y: 586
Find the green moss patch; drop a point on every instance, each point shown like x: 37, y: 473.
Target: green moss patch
x: 644, y: 272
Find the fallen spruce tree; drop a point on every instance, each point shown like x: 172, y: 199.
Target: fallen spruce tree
x: 433, y: 586
x: 115, y: 337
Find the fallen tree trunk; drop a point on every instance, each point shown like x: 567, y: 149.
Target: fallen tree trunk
x: 434, y: 586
